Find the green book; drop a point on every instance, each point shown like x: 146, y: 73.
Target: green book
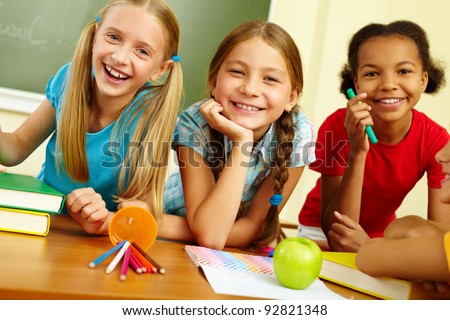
x: 28, y: 193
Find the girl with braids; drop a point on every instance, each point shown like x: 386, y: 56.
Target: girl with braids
x: 110, y: 126
x: 389, y: 66
x: 242, y: 152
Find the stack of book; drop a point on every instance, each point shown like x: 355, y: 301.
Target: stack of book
x: 26, y: 204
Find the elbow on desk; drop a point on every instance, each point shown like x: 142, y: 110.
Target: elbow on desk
x: 216, y: 240
x: 218, y: 244
x: 210, y: 241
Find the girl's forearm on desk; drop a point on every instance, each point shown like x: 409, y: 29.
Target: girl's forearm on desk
x: 213, y: 219
x: 174, y: 228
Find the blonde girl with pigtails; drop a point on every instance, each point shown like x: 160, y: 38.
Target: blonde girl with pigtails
x: 109, y: 119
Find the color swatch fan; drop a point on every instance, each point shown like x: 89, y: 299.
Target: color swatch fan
x: 229, y: 260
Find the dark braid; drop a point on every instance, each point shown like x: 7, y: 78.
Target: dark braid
x: 285, y: 131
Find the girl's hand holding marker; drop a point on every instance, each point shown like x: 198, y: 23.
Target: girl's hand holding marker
x: 369, y: 129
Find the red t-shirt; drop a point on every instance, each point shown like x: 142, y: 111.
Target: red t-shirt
x: 391, y: 171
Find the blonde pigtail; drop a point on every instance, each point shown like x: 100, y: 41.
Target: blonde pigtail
x: 71, y: 141
x: 148, y: 164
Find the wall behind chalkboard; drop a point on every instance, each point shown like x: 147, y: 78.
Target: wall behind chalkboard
x: 38, y: 37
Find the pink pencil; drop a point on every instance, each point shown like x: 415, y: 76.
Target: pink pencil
x: 135, y: 264
x: 138, y: 261
x: 125, y: 264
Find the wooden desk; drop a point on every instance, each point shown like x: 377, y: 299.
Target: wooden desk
x: 56, y: 267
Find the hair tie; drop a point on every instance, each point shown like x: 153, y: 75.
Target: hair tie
x: 276, y: 199
x: 175, y: 58
x: 97, y: 19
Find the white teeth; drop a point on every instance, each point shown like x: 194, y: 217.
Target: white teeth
x: 245, y: 107
x: 115, y: 73
x: 389, y: 101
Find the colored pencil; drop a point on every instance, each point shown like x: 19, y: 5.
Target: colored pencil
x: 153, y: 262
x: 143, y: 268
x: 117, y: 258
x: 149, y: 267
x: 125, y: 264
x: 106, y: 254
x: 135, y: 264
x: 138, y: 261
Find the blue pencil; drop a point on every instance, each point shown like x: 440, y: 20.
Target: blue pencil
x: 106, y: 254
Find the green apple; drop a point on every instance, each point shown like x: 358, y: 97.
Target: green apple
x: 297, y: 262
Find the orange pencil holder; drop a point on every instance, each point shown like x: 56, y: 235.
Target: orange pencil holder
x: 133, y: 224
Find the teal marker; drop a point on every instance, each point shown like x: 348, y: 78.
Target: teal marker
x: 369, y: 129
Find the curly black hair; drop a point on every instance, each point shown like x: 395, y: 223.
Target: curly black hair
x: 435, y: 70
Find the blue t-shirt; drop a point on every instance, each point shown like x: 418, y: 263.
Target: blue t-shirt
x: 193, y: 131
x: 104, y: 154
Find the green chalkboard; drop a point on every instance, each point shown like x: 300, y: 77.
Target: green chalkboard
x: 38, y: 37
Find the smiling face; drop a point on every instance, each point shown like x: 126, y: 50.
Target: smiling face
x: 443, y: 157
x: 390, y: 72
x: 128, y: 51
x: 253, y: 86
